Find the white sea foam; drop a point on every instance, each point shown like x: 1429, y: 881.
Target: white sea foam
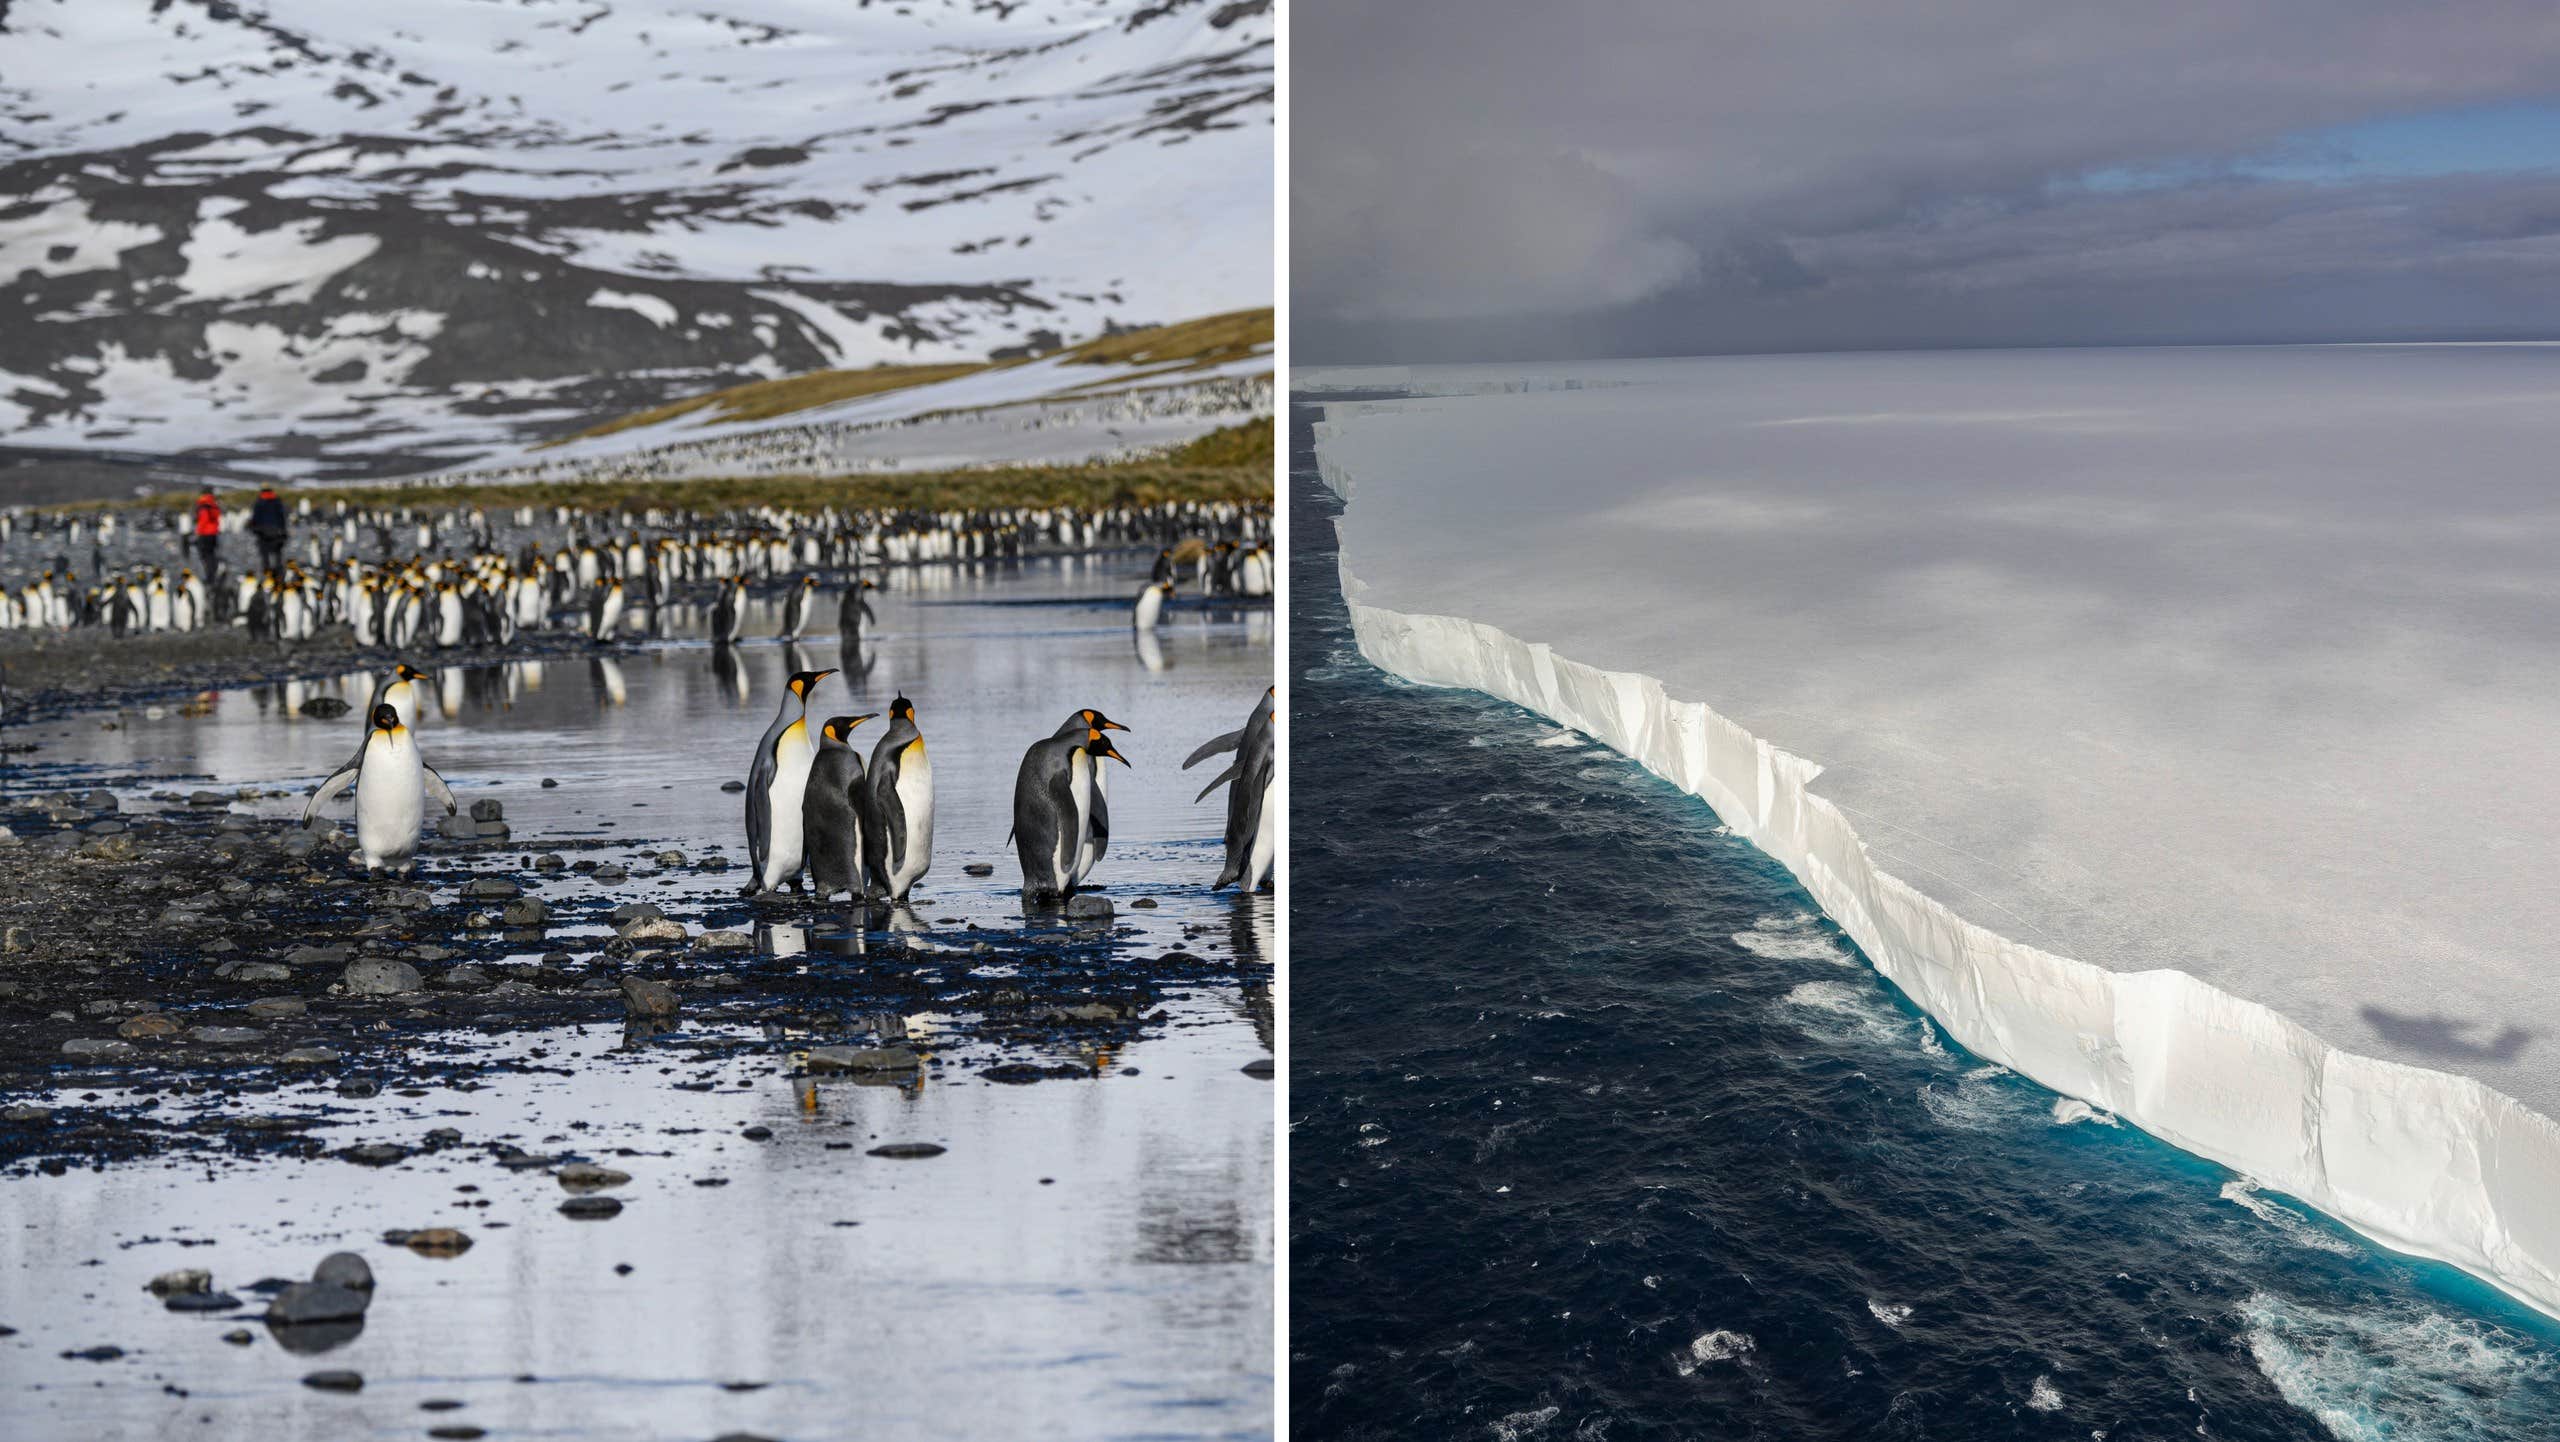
x: 2044, y: 1396
x: 1792, y: 946
x: 1523, y: 1424
x: 2067, y: 1110
x: 1975, y: 1101
x: 2396, y: 1374
x: 2295, y: 1228
x: 1711, y: 1347
x: 1845, y: 1012
x: 1561, y: 738
x: 1892, y: 1314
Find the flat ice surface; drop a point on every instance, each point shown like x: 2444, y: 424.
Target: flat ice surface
x: 2244, y: 662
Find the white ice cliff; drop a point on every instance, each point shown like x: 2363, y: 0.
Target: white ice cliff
x: 2180, y: 728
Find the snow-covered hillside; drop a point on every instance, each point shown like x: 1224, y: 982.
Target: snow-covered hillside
x: 319, y: 238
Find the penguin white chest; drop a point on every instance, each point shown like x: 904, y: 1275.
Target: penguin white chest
x: 1073, y: 844
x: 915, y: 804
x: 786, y: 846
x: 1266, y: 842
x: 390, y: 800
x: 1089, y: 843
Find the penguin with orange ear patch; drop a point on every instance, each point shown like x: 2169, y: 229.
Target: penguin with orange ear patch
x: 777, y: 783
x: 897, y: 819
x: 831, y: 815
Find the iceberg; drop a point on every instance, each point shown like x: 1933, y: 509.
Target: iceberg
x: 2179, y: 728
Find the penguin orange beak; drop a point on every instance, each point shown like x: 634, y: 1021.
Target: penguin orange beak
x: 854, y: 721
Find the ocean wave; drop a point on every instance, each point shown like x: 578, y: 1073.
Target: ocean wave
x: 1975, y: 1101
x: 2067, y: 1110
x: 1792, y: 946
x: 2394, y: 1374
x: 2295, y: 1227
x: 1715, y: 1346
x: 1523, y: 1424
x: 1842, y: 1011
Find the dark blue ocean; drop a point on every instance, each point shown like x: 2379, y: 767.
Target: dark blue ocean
x: 1599, y: 1132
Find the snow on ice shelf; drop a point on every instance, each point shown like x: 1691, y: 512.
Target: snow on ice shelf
x: 2184, y: 719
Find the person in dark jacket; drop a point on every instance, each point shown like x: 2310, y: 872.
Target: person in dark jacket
x: 208, y: 534
x: 267, y: 523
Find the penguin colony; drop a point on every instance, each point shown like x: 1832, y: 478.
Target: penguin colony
x: 447, y: 578
x: 816, y: 810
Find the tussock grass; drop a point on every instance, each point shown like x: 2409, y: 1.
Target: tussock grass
x: 1254, y: 445
x: 1193, y: 344
x: 1189, y: 345
x: 763, y: 400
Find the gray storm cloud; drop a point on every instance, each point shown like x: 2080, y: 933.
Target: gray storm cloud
x: 1502, y: 178
x: 1487, y: 232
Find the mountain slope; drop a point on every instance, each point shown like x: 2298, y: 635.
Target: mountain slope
x: 307, y: 238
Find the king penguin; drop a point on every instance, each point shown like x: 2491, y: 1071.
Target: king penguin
x: 729, y: 612
x: 897, y: 822
x: 1252, y: 825
x: 604, y: 610
x: 1061, y: 822
x: 392, y: 782
x: 853, y: 611
x: 777, y: 784
x: 398, y: 690
x: 1151, y: 604
x: 796, y: 607
x: 831, y: 811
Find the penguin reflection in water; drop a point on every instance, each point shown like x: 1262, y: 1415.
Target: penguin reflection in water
x: 832, y: 812
x: 897, y: 819
x: 392, y: 782
x: 1061, y: 814
x: 1252, y: 833
x: 777, y: 782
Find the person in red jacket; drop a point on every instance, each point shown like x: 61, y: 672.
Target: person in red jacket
x: 208, y: 533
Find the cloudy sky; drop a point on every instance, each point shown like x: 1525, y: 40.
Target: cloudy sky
x: 1506, y: 179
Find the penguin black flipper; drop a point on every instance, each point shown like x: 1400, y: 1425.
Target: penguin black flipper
x: 1211, y: 747
x: 1062, y: 800
x: 759, y: 815
x: 894, y: 819
x: 866, y: 614
x: 437, y: 789
x: 339, y: 780
x: 1223, y: 778
x: 875, y: 829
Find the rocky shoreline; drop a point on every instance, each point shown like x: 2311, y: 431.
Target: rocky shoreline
x: 185, y: 946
